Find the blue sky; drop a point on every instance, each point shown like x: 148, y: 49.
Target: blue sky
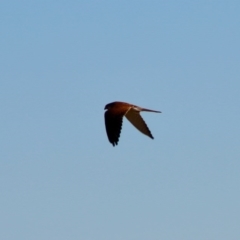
x: 62, y: 62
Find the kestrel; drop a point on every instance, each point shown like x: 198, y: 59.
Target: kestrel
x: 114, y: 114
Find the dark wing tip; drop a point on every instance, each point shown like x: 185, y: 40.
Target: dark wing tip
x: 114, y: 144
x: 149, y: 133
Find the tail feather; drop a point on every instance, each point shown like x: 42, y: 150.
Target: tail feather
x: 149, y: 110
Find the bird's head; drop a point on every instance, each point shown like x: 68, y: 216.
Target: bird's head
x: 109, y: 106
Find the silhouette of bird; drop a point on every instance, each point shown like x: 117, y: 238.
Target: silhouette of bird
x: 114, y: 114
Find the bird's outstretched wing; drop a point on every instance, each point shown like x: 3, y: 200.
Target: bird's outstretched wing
x: 137, y: 121
x: 113, y: 124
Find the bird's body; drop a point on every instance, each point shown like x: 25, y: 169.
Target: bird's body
x: 114, y: 114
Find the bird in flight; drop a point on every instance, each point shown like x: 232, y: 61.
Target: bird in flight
x: 114, y: 114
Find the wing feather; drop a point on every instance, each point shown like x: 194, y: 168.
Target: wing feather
x: 113, y: 124
x: 137, y: 121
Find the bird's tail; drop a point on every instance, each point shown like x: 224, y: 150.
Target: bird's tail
x: 149, y: 110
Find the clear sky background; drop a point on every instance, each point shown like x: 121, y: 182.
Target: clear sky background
x: 61, y: 62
